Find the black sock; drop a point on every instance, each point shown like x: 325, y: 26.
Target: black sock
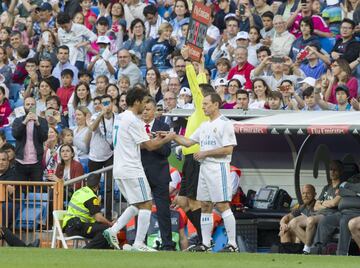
x: 197, y: 222
x: 189, y: 215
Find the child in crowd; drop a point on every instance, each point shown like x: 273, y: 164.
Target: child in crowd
x: 275, y: 100
x: 185, y: 99
x: 268, y: 31
x: 123, y: 84
x: 309, y: 99
x: 20, y: 72
x: 223, y: 66
x: 102, y: 81
x: 254, y: 44
x: 89, y: 15
x: 64, y: 93
x: 67, y: 137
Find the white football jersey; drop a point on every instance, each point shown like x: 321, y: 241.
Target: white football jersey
x: 128, y: 133
x: 215, y: 134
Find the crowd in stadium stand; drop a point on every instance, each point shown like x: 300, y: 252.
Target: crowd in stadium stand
x: 66, y: 68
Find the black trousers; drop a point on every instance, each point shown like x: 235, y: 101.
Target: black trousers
x: 93, y: 166
x: 329, y: 224
x: 160, y: 192
x: 32, y: 172
x: 89, y: 230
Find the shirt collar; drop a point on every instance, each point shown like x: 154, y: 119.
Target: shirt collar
x: 151, y: 124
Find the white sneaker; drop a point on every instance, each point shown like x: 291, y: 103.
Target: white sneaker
x: 111, y: 238
x: 143, y: 248
x: 127, y: 247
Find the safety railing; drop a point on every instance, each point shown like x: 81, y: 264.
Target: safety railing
x: 26, y: 208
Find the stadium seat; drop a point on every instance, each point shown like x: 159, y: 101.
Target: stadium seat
x: 58, y: 233
x: 327, y: 44
x: 34, y: 211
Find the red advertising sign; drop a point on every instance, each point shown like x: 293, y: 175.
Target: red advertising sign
x: 250, y: 129
x: 328, y: 130
x: 199, y: 21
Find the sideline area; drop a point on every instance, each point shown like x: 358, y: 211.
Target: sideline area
x: 29, y: 258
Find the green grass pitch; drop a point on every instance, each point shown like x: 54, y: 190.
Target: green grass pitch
x: 31, y: 258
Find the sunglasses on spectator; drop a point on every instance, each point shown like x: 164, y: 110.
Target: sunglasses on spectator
x: 105, y: 103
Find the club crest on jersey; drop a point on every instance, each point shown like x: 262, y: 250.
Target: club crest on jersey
x: 215, y: 129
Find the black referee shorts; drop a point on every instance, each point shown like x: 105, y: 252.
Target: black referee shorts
x: 189, y: 182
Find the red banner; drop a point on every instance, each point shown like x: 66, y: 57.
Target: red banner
x: 328, y: 130
x: 251, y: 129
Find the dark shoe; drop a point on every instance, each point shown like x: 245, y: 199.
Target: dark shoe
x: 35, y: 244
x: 168, y: 247
x: 229, y: 248
x: 201, y: 248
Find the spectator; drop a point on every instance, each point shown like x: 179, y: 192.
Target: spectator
x: 153, y: 83
x: 30, y: 132
x: 66, y: 91
x: 248, y: 19
x: 101, y: 145
x: 73, y: 35
x: 5, y: 109
x: 176, y: 124
x: 20, y: 72
x: 104, y: 62
x: 226, y: 7
x: 261, y: 54
x: 184, y: 100
x: 138, y: 43
x: 325, y: 205
x: 82, y: 135
x: 278, y: 66
x: 122, y: 102
x: 123, y: 84
x: 212, y: 34
x: 309, y: 100
x: 68, y: 168
x: 340, y: 75
x: 227, y: 44
x: 174, y: 85
x: 153, y: 21
x: 282, y: 40
x: 80, y: 98
x: 223, y: 67
x: 275, y: 100
x: 46, y: 21
x: 50, y: 158
x: 260, y: 7
x: 10, y: 150
x: 45, y: 91
x: 315, y: 63
x: 5, y: 69
x: 243, y: 67
x: 268, y: 31
x: 102, y: 81
x: 181, y: 11
x: 126, y: 67
x: 46, y: 48
x: 292, y: 225
x: 230, y: 101
x: 89, y: 15
x: 261, y: 92
x: 45, y: 67
x: 159, y: 49
x: 348, y: 8
x: 113, y: 91
x: 304, y: 10
x: 342, y: 100
x: 346, y: 47
x: 135, y: 9
x: 64, y: 63
x: 254, y: 45
x: 53, y: 119
x: 307, y: 38
x: 242, y: 100
x: 332, y: 15
x: 287, y: 8
x: 290, y: 100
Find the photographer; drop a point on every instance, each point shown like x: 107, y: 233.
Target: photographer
x: 101, y: 145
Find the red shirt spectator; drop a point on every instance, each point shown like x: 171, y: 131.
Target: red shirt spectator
x: 243, y: 70
x: 5, y: 111
x: 352, y: 84
x: 64, y: 94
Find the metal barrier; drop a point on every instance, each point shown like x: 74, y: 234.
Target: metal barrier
x: 26, y: 208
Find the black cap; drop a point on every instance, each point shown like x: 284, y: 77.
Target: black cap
x: 102, y: 21
x: 93, y: 180
x: 46, y: 7
x: 343, y: 88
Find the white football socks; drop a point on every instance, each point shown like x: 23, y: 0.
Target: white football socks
x: 125, y: 217
x: 143, y: 223
x: 230, y: 226
x: 206, y: 228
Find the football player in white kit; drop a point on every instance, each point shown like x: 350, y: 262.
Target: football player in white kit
x: 129, y: 135
x: 217, y: 139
